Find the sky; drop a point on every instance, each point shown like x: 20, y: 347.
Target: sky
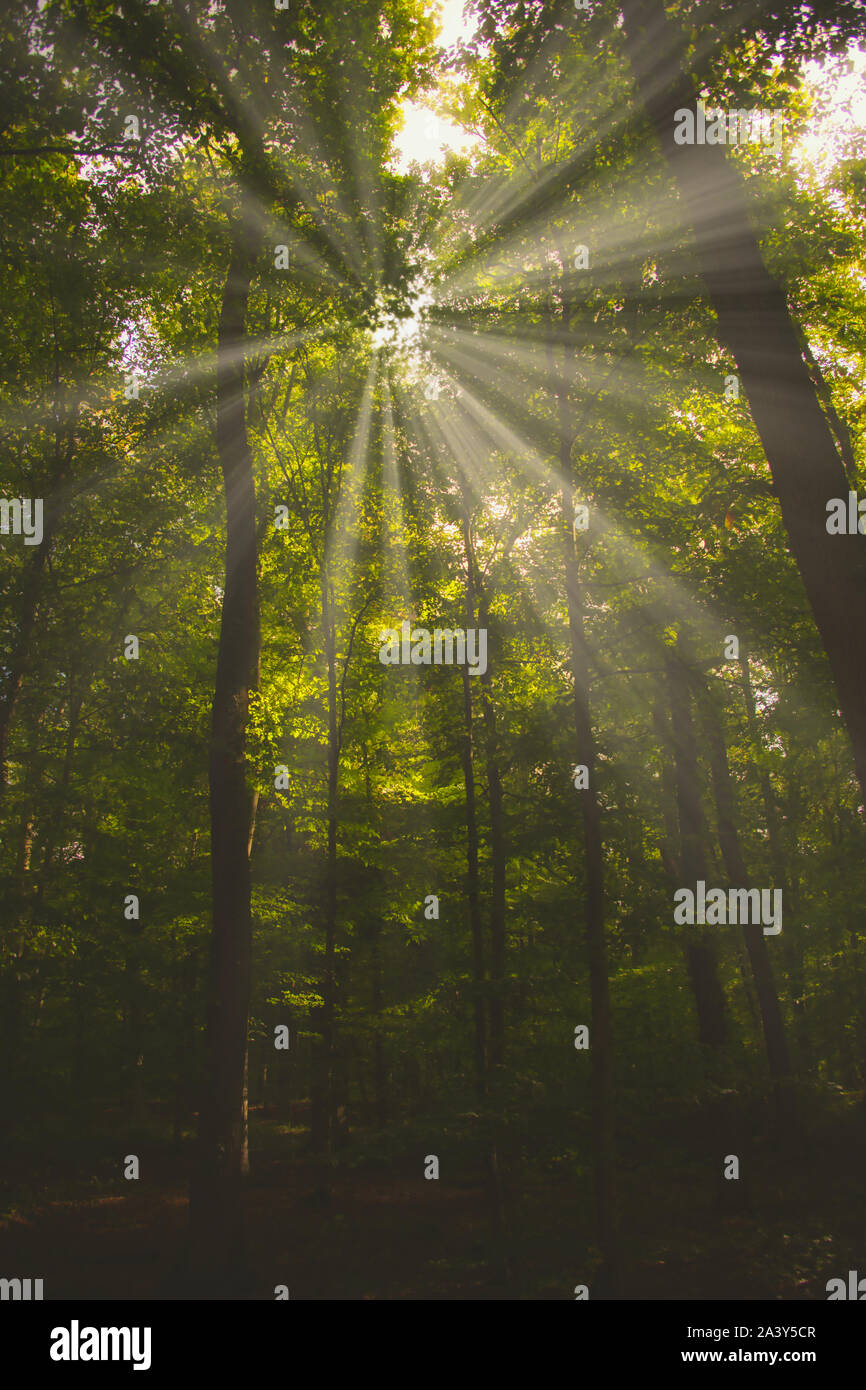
x: 839, y: 113
x: 425, y: 135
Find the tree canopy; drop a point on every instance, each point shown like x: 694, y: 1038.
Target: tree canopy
x: 440, y: 575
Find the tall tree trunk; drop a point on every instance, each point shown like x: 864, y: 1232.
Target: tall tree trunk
x: 497, y: 887
x: 380, y: 1063
x: 493, y: 1024
x: 134, y: 1018
x: 15, y: 665
x: 472, y: 874
x: 601, y: 1021
x: 60, y: 797
x: 783, y: 879
x: 496, y: 993
x: 184, y: 1042
x: 322, y: 1111
x: 755, y: 324
x: 756, y: 943
x: 216, y: 1199
x: 13, y: 951
x: 700, y: 947
x: 601, y: 1031
x: 669, y: 845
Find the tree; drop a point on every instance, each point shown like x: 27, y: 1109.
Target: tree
x: 754, y: 323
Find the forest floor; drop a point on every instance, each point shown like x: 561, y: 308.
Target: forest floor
x: 381, y: 1231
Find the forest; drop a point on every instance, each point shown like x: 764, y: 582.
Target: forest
x: 432, y: 696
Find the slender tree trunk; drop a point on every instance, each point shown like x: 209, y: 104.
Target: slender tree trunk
x: 472, y: 874
x: 331, y: 881
x: 216, y: 1199
x: 185, y: 1037
x: 669, y: 845
x: 12, y: 954
x: 380, y: 1062
x: 134, y: 1055
x: 322, y: 1117
x: 700, y: 948
x: 497, y: 899
x: 380, y: 1066
x: 601, y: 1030
x: 756, y: 944
x: 496, y: 1000
x: 782, y: 879
x: 61, y: 798
x: 497, y: 857
x: 16, y: 663
x: 601, y: 1021
x: 755, y: 324
x: 493, y: 1042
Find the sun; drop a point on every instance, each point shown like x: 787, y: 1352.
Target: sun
x: 403, y: 335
